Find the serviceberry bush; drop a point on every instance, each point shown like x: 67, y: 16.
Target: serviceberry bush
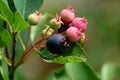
x: 56, y: 38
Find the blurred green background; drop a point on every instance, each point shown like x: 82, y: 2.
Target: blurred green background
x: 103, y: 33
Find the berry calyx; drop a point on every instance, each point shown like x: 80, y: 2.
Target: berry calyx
x: 80, y: 23
x: 73, y: 34
x: 67, y: 15
x: 56, y: 44
x: 34, y: 18
x: 83, y: 39
x: 55, y: 23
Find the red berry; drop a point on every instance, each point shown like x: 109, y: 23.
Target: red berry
x: 73, y: 34
x: 67, y: 15
x: 80, y: 23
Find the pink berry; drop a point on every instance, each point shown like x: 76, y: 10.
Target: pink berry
x: 73, y: 34
x: 80, y: 23
x: 67, y: 15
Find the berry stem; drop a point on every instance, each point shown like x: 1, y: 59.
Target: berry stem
x: 7, y: 52
x: 47, y: 29
x: 21, y: 42
x: 82, y: 49
x: 28, y: 35
x: 8, y: 56
x: 28, y: 51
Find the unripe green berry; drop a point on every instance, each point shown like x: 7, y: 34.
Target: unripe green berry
x: 55, y: 23
x: 34, y: 18
x: 83, y: 39
x: 47, y: 31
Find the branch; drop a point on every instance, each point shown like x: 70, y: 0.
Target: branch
x: 29, y: 51
x: 7, y: 52
x: 12, y: 69
x: 21, y: 42
x: 13, y: 49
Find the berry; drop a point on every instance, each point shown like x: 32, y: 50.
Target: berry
x: 55, y: 23
x: 83, y: 39
x: 47, y: 31
x: 34, y: 18
x: 56, y: 44
x: 67, y: 15
x: 63, y: 28
x: 73, y: 34
x: 80, y: 23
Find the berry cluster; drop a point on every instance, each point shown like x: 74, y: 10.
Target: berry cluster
x: 68, y: 29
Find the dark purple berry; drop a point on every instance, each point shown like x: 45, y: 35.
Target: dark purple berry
x: 56, y: 44
x: 63, y: 28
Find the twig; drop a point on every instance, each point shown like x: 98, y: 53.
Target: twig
x: 13, y: 49
x: 29, y: 51
x: 7, y: 52
x: 7, y: 55
x: 28, y: 35
x: 8, y: 61
x: 21, y: 42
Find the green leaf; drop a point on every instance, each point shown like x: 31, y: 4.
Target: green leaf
x: 76, y: 71
x: 19, y: 74
x: 6, y: 12
x: 1, y: 78
x: 3, y: 67
x: 45, y: 54
x: 5, y: 38
x: 0, y: 59
x: 19, y: 22
x: 19, y: 49
x: 63, y: 60
x: 5, y: 70
x: 74, y: 53
x: 75, y: 49
x: 54, y: 58
x: 36, y: 30
x: 12, y: 6
x: 110, y: 71
x: 1, y: 23
x: 27, y: 7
